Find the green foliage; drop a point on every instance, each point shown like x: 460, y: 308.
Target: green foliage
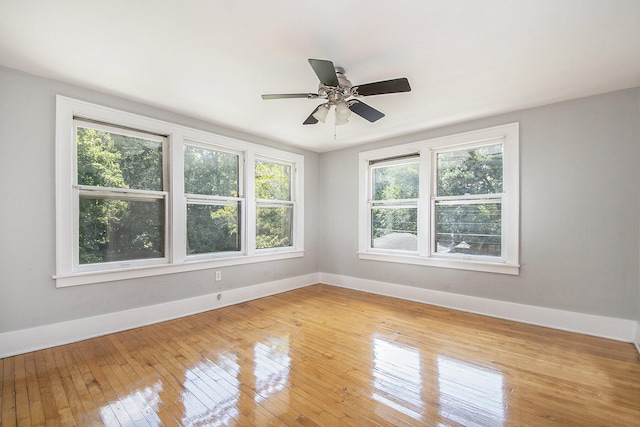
x: 118, y: 228
x: 274, y: 227
x: 475, y: 225
x: 98, y: 159
x: 273, y: 181
x: 210, y: 172
x: 470, y: 228
x: 274, y: 222
x: 114, y: 229
x: 461, y: 227
x: 212, y: 228
x: 395, y: 182
x: 477, y: 171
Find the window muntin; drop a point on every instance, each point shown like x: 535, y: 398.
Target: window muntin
x: 394, y: 204
x: 467, y: 204
x: 274, y: 204
x: 121, y: 213
x: 212, y: 188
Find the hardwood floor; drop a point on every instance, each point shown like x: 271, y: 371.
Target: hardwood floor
x: 326, y: 356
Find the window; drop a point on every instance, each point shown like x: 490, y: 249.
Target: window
x: 467, y: 202
x: 394, y: 204
x: 120, y: 183
x: 140, y: 197
x: 449, y: 202
x: 214, y: 203
x: 274, y: 206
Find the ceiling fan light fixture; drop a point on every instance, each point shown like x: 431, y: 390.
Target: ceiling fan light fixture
x: 342, y: 113
x: 321, y: 113
x: 342, y: 110
x: 341, y: 121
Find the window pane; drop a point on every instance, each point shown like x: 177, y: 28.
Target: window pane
x: 394, y: 228
x: 473, y: 171
x: 210, y: 172
x: 108, y: 159
x: 274, y: 226
x: 395, y: 182
x: 473, y: 229
x: 213, y: 228
x: 120, y: 229
x: 273, y: 181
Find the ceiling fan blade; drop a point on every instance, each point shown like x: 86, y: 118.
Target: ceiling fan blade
x: 325, y: 71
x: 365, y: 111
x: 289, y: 95
x: 311, y: 120
x: 385, y: 86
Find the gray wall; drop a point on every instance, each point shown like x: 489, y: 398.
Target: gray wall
x: 580, y: 210
x: 28, y: 296
x: 579, y: 245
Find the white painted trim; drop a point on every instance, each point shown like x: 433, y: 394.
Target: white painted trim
x: 40, y: 337
x: 588, y: 324
x: 637, y: 340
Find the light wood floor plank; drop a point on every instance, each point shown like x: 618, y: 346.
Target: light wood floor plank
x: 8, y: 402
x: 23, y: 409
x: 327, y: 356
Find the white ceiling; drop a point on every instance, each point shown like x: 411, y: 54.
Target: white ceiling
x: 212, y: 59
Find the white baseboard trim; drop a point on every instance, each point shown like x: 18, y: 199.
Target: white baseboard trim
x: 40, y: 337
x: 600, y: 326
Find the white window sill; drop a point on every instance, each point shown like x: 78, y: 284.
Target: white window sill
x: 65, y: 280
x: 460, y: 264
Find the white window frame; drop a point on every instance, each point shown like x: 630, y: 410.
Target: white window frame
x: 176, y: 259
x: 119, y: 193
x: 220, y: 200
x: 390, y: 203
x: 293, y: 202
x: 508, y: 262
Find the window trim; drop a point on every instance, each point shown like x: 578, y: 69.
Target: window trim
x: 508, y: 263
x: 67, y: 109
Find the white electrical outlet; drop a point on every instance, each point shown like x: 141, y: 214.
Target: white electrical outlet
x: 218, y: 275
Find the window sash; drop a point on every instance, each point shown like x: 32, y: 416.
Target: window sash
x: 127, y: 195
x: 464, y: 247
x: 124, y: 194
x: 290, y: 194
x: 220, y: 202
x: 222, y: 150
x: 466, y: 199
x: 265, y: 204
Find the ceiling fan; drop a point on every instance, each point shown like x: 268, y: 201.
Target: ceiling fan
x: 339, y: 92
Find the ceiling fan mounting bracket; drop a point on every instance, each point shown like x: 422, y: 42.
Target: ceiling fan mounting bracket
x: 336, y: 94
